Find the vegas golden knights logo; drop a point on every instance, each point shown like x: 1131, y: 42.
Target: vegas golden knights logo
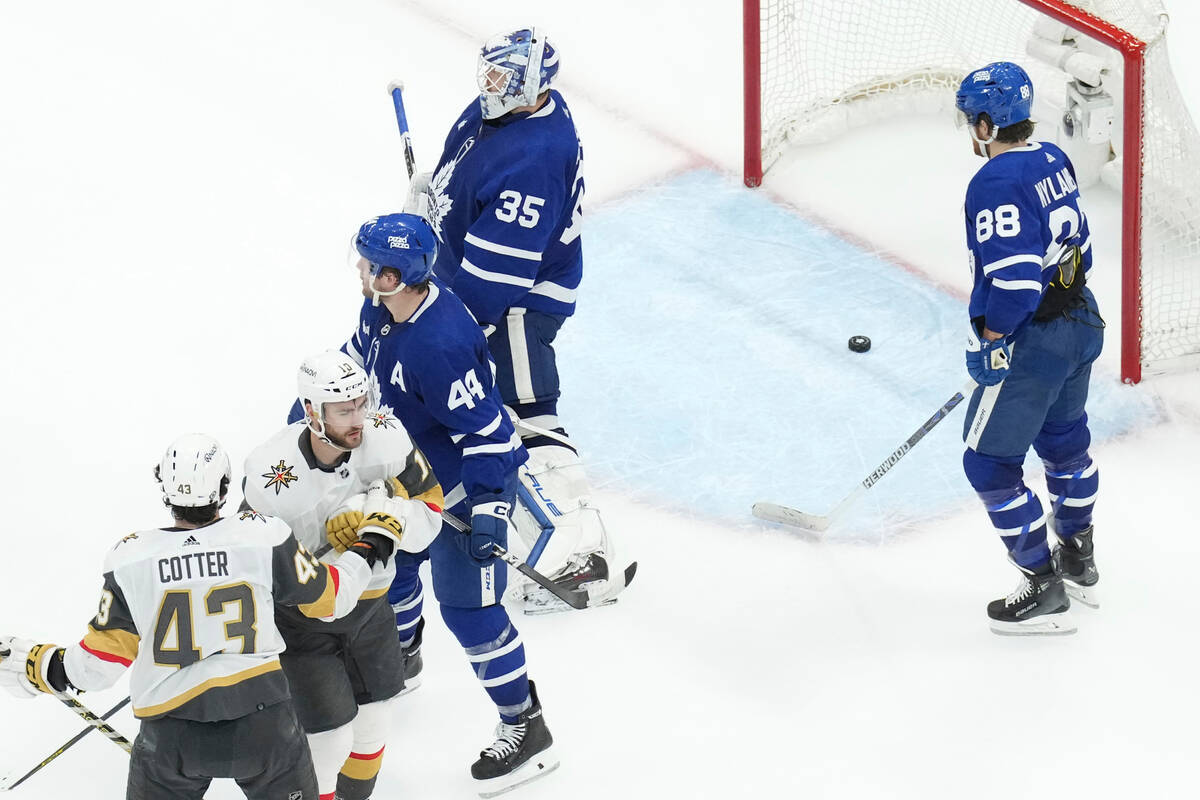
x: 280, y: 476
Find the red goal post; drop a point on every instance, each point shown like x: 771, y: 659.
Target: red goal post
x: 811, y: 67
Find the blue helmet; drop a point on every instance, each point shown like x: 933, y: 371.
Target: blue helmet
x: 514, y: 68
x: 1002, y: 90
x: 404, y: 242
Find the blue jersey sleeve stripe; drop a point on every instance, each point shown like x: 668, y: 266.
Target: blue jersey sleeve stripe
x: 1001, y: 263
x: 496, y: 277
x: 502, y: 249
x: 1087, y: 245
x: 554, y: 291
x: 1016, y: 286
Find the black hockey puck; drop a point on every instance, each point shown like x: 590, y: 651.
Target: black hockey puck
x: 859, y: 344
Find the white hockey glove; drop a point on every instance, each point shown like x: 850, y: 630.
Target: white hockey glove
x: 380, y: 515
x: 25, y: 667
x: 418, y: 200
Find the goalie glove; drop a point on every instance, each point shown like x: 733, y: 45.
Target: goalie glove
x: 28, y: 669
x: 418, y: 201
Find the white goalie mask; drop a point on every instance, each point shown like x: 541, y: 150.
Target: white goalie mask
x: 514, y: 69
x: 194, y: 472
x: 330, y: 377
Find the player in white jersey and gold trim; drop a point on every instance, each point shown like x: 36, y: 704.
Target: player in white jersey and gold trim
x: 208, y: 689
x: 346, y: 469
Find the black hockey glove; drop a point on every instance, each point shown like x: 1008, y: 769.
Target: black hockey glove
x: 374, y: 547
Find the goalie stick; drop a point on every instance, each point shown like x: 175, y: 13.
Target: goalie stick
x: 396, y: 90
x: 773, y: 512
x: 8, y: 784
x: 583, y: 597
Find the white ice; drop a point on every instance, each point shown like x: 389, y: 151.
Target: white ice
x: 177, y: 186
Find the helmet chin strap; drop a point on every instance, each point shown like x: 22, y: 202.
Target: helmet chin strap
x: 376, y: 294
x: 983, y: 143
x: 319, y: 430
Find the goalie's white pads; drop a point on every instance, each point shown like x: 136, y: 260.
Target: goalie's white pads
x: 555, y: 482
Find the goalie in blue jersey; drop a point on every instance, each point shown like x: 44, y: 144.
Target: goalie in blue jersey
x: 505, y: 201
x: 1034, y: 332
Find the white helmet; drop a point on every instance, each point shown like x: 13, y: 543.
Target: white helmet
x: 194, y: 471
x: 329, y: 377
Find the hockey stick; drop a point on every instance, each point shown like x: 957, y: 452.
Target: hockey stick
x: 815, y: 522
x: 396, y: 90
x: 7, y: 785
x: 576, y: 598
x: 96, y: 722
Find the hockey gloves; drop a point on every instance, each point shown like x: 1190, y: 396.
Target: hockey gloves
x: 373, y: 547
x: 28, y: 669
x: 489, y: 527
x: 342, y: 529
x: 987, y: 359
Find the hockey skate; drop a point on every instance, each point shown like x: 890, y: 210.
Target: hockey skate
x: 520, y: 754
x: 1080, y: 576
x: 413, y: 664
x: 1039, y: 605
x: 582, y: 571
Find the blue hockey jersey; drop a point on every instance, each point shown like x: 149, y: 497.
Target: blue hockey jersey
x: 1022, y: 215
x: 506, y: 204
x: 434, y: 372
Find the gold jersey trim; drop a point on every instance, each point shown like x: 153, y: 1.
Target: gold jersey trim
x: 213, y: 683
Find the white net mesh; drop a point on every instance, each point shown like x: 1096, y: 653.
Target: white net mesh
x: 829, y: 65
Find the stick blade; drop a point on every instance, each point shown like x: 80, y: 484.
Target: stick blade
x: 784, y: 515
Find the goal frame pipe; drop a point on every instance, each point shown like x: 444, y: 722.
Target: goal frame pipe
x: 1133, y: 51
x: 752, y: 171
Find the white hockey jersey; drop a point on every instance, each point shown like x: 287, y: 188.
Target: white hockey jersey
x: 285, y: 480
x: 203, y: 599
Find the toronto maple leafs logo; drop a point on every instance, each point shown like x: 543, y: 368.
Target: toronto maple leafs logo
x: 280, y: 476
x: 439, y: 201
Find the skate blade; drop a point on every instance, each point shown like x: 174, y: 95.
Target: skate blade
x: 1046, y: 625
x: 1084, y: 594
x: 539, y: 765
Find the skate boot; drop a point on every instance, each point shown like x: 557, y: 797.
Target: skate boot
x: 1039, y: 605
x: 520, y: 754
x: 580, y: 571
x: 1080, y: 576
x: 413, y: 664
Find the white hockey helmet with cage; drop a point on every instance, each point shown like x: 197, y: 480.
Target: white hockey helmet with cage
x: 514, y: 69
x: 194, y: 472
x: 330, y: 377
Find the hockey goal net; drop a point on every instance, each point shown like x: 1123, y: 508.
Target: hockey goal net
x: 815, y: 68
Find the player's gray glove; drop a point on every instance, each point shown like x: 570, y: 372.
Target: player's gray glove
x: 28, y: 669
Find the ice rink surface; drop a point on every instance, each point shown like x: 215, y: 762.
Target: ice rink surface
x: 179, y: 182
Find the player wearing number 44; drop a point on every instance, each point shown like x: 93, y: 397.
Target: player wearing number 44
x: 1034, y: 332
x: 209, y: 691
x: 428, y: 358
